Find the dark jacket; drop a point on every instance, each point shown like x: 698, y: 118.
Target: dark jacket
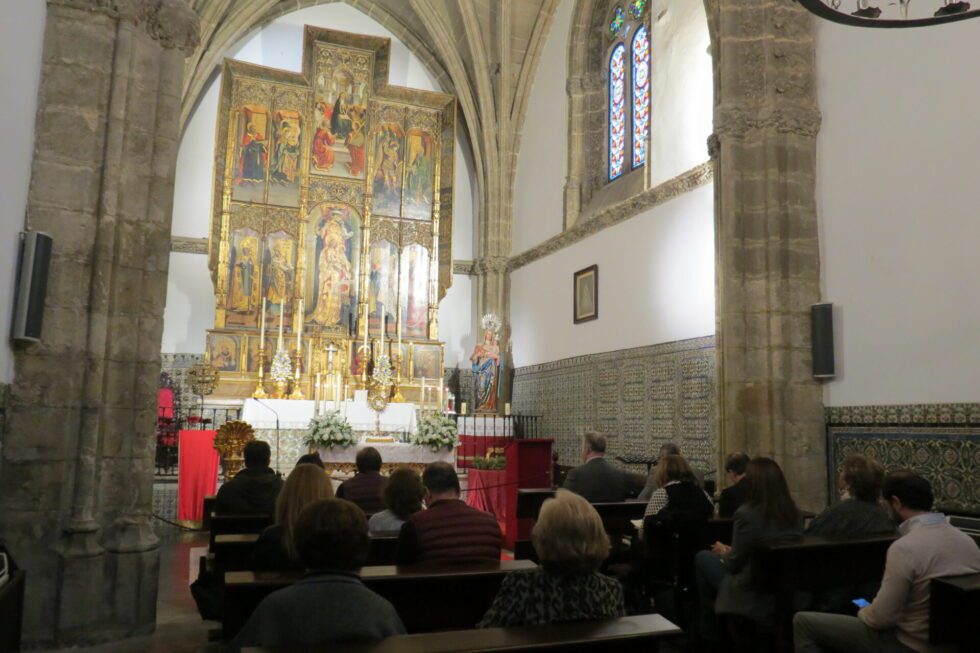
x: 449, y: 530
x: 252, y: 491
x: 851, y: 517
x: 364, y: 489
x: 268, y: 554
x: 736, y: 596
x: 323, y: 607
x: 598, y: 480
x: 732, y: 498
x: 686, y: 500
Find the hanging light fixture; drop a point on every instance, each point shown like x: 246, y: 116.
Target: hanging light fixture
x: 891, y: 13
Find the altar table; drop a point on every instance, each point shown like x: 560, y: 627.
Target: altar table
x: 296, y: 414
x: 197, y: 473
x: 393, y: 454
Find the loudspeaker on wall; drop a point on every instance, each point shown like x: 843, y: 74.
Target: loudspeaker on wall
x: 822, y: 340
x: 32, y: 286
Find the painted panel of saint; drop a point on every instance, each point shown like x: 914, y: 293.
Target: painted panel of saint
x: 419, y: 175
x: 333, y: 254
x: 277, y: 277
x: 340, y: 112
x: 384, y: 285
x: 223, y: 350
x: 414, y: 295
x: 253, y: 353
x: 251, y: 153
x: 425, y: 363
x: 387, y: 174
x: 284, y: 169
x: 243, y: 297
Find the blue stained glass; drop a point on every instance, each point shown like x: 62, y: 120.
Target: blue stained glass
x: 617, y: 111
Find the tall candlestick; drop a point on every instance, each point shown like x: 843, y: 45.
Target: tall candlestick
x: 281, y: 307
x: 316, y: 395
x: 262, y: 328
x: 440, y: 397
x: 399, y: 328
x: 422, y: 393
x: 299, y: 328
x: 384, y: 325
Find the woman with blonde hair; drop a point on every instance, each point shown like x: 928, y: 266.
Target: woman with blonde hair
x: 677, y: 491
x: 275, y: 548
x: 571, y: 545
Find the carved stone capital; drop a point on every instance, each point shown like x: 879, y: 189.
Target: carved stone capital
x: 172, y: 23
x: 491, y: 265
x: 463, y: 267
x: 736, y: 122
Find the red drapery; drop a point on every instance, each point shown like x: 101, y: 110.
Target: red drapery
x: 475, y: 446
x: 197, y: 473
x: 165, y: 402
x: 486, y: 490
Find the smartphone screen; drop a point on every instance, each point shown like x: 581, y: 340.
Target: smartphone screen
x: 861, y: 603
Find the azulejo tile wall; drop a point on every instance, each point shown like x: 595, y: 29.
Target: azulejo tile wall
x: 939, y: 441
x: 640, y: 398
x: 177, y: 365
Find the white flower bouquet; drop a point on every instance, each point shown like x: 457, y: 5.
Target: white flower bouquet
x: 382, y: 375
x: 329, y: 430
x: 436, y: 432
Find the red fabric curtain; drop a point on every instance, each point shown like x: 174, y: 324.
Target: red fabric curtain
x: 486, y: 490
x: 165, y: 402
x: 197, y: 473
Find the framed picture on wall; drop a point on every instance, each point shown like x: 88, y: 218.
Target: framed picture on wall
x: 586, y: 291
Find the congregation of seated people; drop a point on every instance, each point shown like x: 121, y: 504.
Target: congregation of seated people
x: 329, y: 538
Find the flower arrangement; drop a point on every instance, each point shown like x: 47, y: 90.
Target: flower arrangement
x: 330, y: 429
x: 382, y: 371
x: 495, y: 463
x: 436, y: 432
x: 281, y: 369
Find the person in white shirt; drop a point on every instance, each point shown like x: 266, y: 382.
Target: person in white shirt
x: 897, y: 621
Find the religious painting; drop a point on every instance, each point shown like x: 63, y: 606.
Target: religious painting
x: 359, y: 356
x: 425, y: 362
x: 252, y: 361
x: 223, y: 352
x: 387, y: 174
x: 243, y: 276
x: 383, y: 294
x: 284, y: 169
x: 403, y: 353
x: 419, y: 175
x: 341, y: 87
x: 251, y: 154
x: 277, y: 272
x: 586, y: 294
x: 414, y: 295
x: 333, y: 254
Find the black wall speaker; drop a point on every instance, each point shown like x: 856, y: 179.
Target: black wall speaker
x: 822, y: 340
x: 32, y: 286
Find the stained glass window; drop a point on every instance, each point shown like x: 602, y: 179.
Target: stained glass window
x: 618, y: 21
x: 617, y: 111
x: 636, y: 7
x: 641, y: 95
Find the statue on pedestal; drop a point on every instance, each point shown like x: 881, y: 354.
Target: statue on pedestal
x: 486, y: 366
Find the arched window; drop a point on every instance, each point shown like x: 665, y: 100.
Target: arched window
x: 617, y: 111
x: 628, y: 85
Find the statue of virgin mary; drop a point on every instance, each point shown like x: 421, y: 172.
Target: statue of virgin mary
x: 486, y: 365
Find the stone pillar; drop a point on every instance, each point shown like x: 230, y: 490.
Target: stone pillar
x: 768, y: 263
x: 78, y: 451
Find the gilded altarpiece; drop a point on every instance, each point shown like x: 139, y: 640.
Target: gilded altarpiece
x: 333, y: 192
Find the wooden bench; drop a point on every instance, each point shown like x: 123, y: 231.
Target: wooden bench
x: 238, y: 525
x: 627, y: 634
x: 233, y: 552
x: 456, y: 595
x: 954, y: 612
x: 812, y: 564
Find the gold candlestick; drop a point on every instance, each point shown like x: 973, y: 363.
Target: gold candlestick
x: 297, y: 393
x: 396, y: 360
x: 259, y: 392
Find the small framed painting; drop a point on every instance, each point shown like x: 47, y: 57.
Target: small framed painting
x: 586, y: 290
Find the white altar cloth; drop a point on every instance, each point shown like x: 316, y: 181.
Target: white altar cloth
x: 391, y: 453
x: 296, y: 414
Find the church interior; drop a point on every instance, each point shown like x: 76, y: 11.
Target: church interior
x: 564, y: 276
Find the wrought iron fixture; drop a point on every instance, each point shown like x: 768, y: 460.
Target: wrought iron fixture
x: 891, y: 13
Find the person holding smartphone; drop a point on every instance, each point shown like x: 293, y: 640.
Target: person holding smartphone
x: 897, y: 621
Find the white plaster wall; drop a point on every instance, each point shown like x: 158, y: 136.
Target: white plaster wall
x: 280, y: 45
x: 457, y: 317
x: 542, y: 160
x: 656, y: 284
x: 898, y: 155
x: 21, y: 40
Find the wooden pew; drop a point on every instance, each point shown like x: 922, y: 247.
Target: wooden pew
x: 627, y: 634
x: 456, y: 595
x: 233, y: 552
x: 812, y: 564
x: 238, y: 524
x: 954, y: 608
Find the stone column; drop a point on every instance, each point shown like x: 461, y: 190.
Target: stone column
x: 78, y: 452
x: 768, y: 264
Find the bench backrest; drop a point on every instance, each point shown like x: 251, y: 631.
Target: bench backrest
x: 814, y: 563
x: 954, y: 605
x: 639, y: 633
x: 238, y: 524
x: 456, y: 594
x: 233, y: 551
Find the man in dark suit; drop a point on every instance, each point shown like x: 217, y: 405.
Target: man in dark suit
x: 255, y: 488
x: 365, y: 488
x: 598, y: 480
x: 735, y: 494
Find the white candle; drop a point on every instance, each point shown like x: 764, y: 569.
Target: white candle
x: 507, y: 410
x: 462, y: 408
x: 381, y: 349
x: 422, y: 393
x: 440, y: 397
x: 399, y: 328
x: 337, y: 388
x: 262, y: 328
x: 299, y: 328
x: 316, y: 395
x: 280, y: 325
